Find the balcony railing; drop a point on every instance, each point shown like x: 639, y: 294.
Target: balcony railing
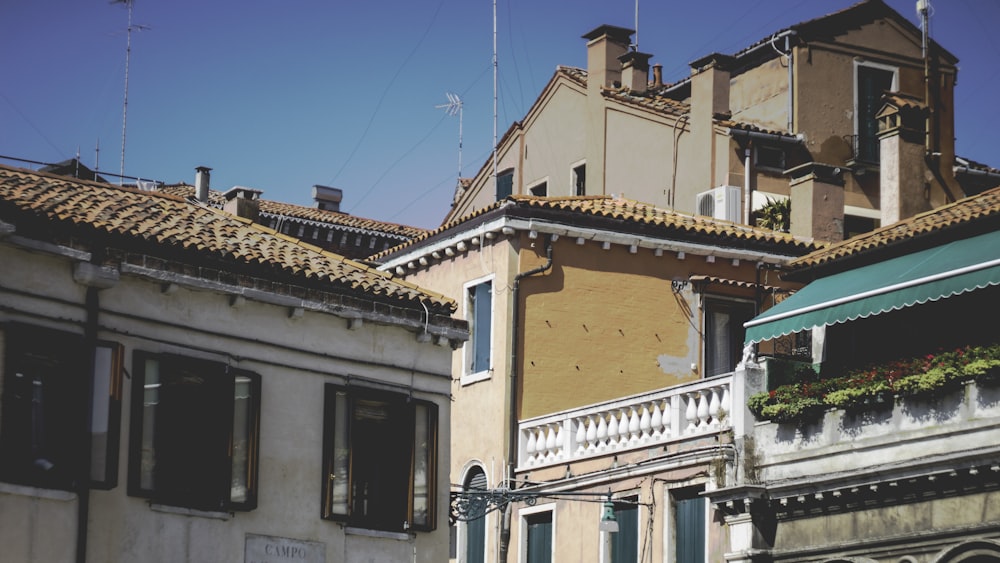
x: 625, y: 424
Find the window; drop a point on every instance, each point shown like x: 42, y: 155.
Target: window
x: 195, y: 430
x: 724, y: 334
x: 538, y: 537
x: 379, y: 459
x: 770, y: 157
x: 855, y: 225
x: 689, y: 526
x: 625, y: 543
x: 580, y: 179
x: 42, y: 413
x: 479, y: 313
x: 474, y: 549
x: 505, y: 184
x: 540, y: 189
x: 872, y: 81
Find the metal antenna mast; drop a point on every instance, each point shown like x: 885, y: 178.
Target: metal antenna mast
x: 454, y: 106
x: 495, y: 186
x: 128, y: 54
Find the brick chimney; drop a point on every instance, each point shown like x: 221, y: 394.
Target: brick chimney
x: 202, y: 175
x: 903, y: 189
x: 242, y: 202
x: 635, y: 71
x: 710, y: 77
x: 817, y: 193
x: 605, y: 45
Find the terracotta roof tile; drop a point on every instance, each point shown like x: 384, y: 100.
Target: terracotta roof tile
x: 629, y: 211
x: 170, y: 221
x: 962, y: 212
x: 310, y: 214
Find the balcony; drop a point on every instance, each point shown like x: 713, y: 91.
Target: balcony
x: 640, y: 421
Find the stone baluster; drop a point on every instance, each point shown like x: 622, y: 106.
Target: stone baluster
x: 530, y: 446
x: 691, y: 414
x: 645, y: 424
x: 656, y: 422
x: 715, y: 406
x: 702, y: 410
x: 591, y: 434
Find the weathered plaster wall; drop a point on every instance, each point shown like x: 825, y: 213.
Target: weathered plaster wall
x: 603, y: 324
x: 294, y: 357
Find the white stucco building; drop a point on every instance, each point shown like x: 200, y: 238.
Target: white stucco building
x: 180, y: 384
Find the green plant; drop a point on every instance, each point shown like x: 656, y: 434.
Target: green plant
x: 805, y: 398
x: 776, y: 214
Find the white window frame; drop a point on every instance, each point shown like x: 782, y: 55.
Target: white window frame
x: 706, y: 298
x: 522, y: 529
x: 670, y: 526
x: 572, y: 176
x: 537, y: 183
x: 857, y: 64
x: 468, y: 348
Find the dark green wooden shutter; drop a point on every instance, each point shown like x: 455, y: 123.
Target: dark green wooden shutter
x: 689, y: 527
x: 625, y: 543
x: 540, y: 538
x: 475, y: 530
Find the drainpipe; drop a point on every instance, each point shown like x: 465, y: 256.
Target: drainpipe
x: 746, y: 183
x: 791, y: 89
x: 512, y: 369
x: 92, y: 308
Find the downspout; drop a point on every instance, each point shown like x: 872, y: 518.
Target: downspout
x: 787, y: 53
x: 932, y: 140
x: 92, y: 308
x: 791, y: 83
x: 746, y: 183
x: 512, y: 369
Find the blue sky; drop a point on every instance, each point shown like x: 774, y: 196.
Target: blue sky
x: 283, y: 95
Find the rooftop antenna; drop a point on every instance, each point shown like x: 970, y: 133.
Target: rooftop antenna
x: 496, y: 187
x: 454, y: 106
x: 635, y: 46
x: 128, y: 53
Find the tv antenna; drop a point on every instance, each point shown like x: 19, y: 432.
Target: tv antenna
x: 453, y: 107
x: 128, y: 54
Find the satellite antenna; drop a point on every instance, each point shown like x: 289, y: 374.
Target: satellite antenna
x: 454, y: 106
x: 128, y: 53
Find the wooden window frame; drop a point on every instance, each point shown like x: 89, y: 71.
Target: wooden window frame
x: 343, y: 475
x: 223, y: 381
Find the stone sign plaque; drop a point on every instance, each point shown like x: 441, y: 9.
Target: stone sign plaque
x: 270, y: 549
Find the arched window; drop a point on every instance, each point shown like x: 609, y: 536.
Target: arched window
x: 474, y: 546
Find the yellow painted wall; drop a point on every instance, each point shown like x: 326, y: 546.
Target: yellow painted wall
x: 602, y: 324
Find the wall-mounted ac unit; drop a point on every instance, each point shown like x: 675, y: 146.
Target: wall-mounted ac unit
x: 721, y: 203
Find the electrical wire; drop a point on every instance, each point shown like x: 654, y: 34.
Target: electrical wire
x: 385, y: 92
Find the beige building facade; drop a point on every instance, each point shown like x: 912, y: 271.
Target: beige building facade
x: 180, y: 384
x: 598, y: 369
x: 733, y: 135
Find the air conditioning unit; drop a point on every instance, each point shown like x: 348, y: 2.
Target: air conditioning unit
x: 720, y: 203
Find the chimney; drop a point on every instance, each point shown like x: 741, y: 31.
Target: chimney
x: 710, y: 77
x: 817, y: 193
x: 242, y: 202
x: 201, y: 179
x: 635, y: 71
x: 327, y: 198
x: 903, y: 189
x: 605, y: 45
x: 657, y: 75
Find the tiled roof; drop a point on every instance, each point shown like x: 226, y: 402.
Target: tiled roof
x: 657, y: 103
x: 749, y: 127
x: 304, y: 213
x: 199, y: 232
x: 962, y: 212
x: 631, y: 212
x: 648, y: 100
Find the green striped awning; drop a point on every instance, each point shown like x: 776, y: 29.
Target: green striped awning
x: 932, y: 274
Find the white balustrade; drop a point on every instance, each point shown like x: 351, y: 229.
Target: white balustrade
x: 627, y: 423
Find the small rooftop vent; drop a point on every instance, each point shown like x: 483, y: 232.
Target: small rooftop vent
x: 327, y: 198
